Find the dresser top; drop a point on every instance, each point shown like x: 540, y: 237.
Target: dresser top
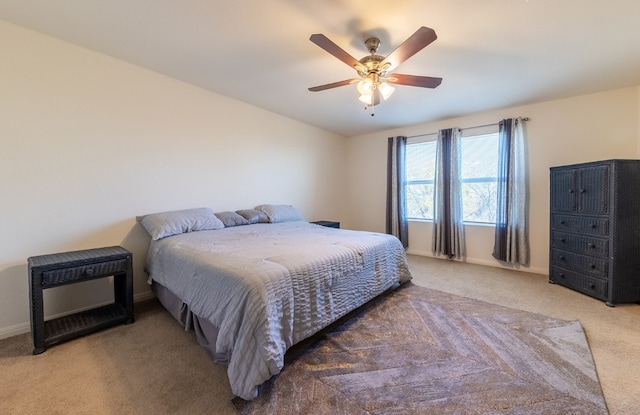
x: 598, y: 162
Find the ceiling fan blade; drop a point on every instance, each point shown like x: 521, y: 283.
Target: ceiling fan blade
x: 333, y: 85
x: 326, y: 44
x: 416, y: 42
x: 414, y: 80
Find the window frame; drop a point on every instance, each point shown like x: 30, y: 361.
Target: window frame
x: 465, y: 134
x: 426, y: 138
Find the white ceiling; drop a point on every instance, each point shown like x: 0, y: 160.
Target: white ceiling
x: 490, y: 53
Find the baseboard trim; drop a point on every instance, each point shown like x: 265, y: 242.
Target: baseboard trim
x: 143, y: 296
x: 6, y: 332
x: 16, y: 330
x: 476, y: 261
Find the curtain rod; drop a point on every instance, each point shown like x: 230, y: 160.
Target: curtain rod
x: 468, y: 128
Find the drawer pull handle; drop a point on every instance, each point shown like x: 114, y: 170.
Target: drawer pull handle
x: 562, y: 258
x: 571, y: 191
x: 593, y: 266
x: 592, y: 286
x: 583, y: 190
x: 88, y: 272
x: 562, y: 222
x: 562, y: 240
x: 593, y: 226
x: 561, y: 275
x: 591, y: 245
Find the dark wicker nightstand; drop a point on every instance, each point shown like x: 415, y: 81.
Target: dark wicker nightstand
x: 327, y: 223
x: 47, y: 271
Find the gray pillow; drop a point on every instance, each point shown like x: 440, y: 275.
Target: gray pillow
x: 231, y: 219
x: 281, y: 213
x: 163, y: 224
x: 253, y: 216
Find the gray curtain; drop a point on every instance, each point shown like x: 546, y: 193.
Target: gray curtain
x: 511, y: 236
x: 396, y: 204
x: 448, y: 226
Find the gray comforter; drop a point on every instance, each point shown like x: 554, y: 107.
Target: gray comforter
x: 268, y: 286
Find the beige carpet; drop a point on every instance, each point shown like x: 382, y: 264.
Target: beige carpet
x: 149, y: 367
x: 154, y: 367
x: 421, y: 351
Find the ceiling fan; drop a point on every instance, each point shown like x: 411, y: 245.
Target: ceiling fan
x: 374, y: 70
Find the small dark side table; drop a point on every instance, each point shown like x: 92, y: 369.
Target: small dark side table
x: 327, y: 223
x: 54, y: 270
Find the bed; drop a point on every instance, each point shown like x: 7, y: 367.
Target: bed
x: 251, y: 285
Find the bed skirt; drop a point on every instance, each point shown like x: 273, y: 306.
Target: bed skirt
x: 206, y: 333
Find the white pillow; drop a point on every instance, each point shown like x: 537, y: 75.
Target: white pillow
x: 281, y: 213
x: 253, y: 216
x: 163, y: 224
x: 230, y: 219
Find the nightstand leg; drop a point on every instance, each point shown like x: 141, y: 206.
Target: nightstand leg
x: 37, y: 314
x: 123, y: 293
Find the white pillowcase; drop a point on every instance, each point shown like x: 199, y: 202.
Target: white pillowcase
x: 281, y: 213
x: 231, y: 219
x: 163, y: 224
x: 253, y: 216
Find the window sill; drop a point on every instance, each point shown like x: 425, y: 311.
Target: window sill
x: 484, y: 224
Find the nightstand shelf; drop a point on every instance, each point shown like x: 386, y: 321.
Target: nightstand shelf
x: 48, y: 271
x: 75, y: 325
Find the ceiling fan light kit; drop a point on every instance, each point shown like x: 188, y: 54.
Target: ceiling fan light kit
x: 371, y: 88
x: 374, y: 70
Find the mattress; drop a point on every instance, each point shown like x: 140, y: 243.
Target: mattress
x: 259, y: 289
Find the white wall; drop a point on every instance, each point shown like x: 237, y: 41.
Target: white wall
x: 89, y: 142
x: 580, y: 129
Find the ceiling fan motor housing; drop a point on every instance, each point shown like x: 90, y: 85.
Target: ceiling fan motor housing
x: 372, y: 62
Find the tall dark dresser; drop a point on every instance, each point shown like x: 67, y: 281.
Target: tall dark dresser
x: 595, y: 229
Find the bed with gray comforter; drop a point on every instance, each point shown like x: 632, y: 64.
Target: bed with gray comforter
x: 251, y: 292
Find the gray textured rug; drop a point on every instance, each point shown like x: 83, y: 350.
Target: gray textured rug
x: 421, y: 351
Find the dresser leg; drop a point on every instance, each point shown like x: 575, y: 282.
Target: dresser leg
x: 38, y: 350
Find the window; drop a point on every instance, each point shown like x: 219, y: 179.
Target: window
x: 479, y: 177
x: 420, y: 167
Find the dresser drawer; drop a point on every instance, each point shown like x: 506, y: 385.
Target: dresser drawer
x: 580, y: 224
x: 596, y: 267
x: 592, y: 286
x: 72, y: 274
x: 580, y: 244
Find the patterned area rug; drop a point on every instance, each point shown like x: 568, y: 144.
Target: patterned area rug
x: 421, y: 351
